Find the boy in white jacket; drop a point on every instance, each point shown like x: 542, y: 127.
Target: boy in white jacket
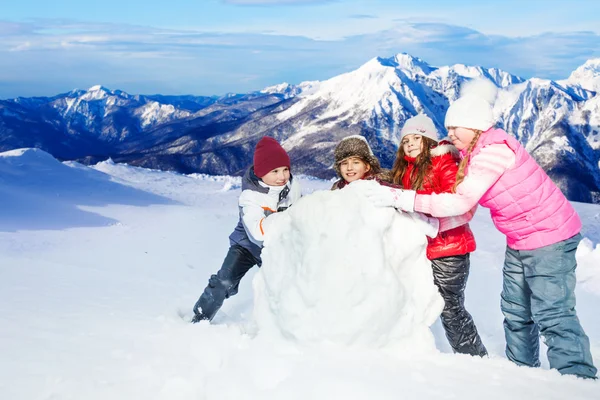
x: 267, y: 188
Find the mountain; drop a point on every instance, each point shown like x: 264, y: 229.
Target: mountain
x: 557, y: 121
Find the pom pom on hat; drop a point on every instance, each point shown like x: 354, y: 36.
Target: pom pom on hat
x: 269, y: 155
x: 473, y: 109
x: 420, y: 124
x: 482, y: 88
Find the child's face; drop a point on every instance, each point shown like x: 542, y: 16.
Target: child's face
x: 277, y: 177
x: 353, y: 169
x: 461, y: 137
x: 412, y: 145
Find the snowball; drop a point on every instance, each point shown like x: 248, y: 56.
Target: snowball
x: 338, y: 270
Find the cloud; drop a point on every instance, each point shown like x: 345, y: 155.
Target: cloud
x: 363, y: 16
x: 46, y: 57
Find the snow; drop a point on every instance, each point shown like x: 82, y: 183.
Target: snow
x: 587, y: 76
x: 154, y: 113
x: 288, y: 90
x: 413, y: 64
x: 96, y: 88
x: 322, y: 274
x: 97, y: 92
x: 97, y: 265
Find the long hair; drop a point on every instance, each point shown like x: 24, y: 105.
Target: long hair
x: 420, y: 172
x: 460, y: 174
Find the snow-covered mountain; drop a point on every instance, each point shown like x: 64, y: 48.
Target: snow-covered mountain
x: 586, y: 77
x: 557, y: 121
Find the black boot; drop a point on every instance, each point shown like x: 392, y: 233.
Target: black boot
x: 199, y: 317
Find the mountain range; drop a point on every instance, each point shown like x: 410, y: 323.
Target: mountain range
x: 557, y: 121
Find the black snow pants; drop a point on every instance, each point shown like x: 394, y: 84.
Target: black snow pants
x: 224, y: 283
x: 450, y: 275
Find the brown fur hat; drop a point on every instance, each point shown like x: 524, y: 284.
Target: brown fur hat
x: 355, y: 146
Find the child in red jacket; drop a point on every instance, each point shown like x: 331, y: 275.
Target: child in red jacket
x: 355, y: 161
x: 428, y: 166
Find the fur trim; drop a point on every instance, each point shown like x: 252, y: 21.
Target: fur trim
x: 445, y: 147
x: 384, y: 175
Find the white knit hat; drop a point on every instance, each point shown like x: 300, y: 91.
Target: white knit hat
x: 473, y: 109
x: 420, y: 124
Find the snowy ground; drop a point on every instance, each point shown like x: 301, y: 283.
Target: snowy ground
x: 97, y: 265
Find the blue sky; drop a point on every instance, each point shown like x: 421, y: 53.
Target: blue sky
x: 206, y: 47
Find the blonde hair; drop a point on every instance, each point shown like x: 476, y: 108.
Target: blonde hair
x: 460, y: 174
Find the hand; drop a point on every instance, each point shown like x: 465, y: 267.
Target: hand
x: 430, y: 225
x: 383, y: 196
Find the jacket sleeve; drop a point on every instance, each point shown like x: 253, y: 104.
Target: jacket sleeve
x: 446, y: 174
x: 484, y: 170
x: 447, y: 223
x: 255, y: 207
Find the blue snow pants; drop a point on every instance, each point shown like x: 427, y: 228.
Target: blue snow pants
x: 225, y: 282
x: 538, y: 297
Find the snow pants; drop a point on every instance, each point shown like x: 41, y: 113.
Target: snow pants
x: 225, y: 282
x: 450, y: 275
x: 538, y: 297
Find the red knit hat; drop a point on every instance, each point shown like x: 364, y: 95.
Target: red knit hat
x: 269, y: 155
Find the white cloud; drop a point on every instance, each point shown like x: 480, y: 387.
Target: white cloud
x: 51, y: 54
x: 363, y: 16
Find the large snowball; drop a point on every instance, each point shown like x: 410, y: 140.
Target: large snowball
x: 338, y: 270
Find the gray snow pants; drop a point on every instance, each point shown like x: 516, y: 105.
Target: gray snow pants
x: 450, y: 275
x: 225, y: 282
x: 538, y: 297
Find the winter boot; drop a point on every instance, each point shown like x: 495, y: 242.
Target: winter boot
x: 199, y: 317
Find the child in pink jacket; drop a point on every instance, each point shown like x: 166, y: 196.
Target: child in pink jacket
x: 541, y: 228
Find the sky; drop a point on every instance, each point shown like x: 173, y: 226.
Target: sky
x: 212, y: 47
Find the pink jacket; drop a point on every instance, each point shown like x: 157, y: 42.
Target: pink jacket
x: 524, y: 203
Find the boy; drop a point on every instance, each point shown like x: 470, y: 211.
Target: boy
x: 267, y: 188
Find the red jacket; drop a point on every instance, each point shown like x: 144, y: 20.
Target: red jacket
x: 444, y: 164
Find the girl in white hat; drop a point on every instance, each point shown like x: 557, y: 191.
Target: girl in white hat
x: 541, y: 228
x: 427, y: 165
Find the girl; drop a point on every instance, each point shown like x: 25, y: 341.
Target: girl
x: 354, y: 160
x: 541, y: 228
x: 427, y: 166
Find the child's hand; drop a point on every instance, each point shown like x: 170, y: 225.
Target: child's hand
x: 383, y: 196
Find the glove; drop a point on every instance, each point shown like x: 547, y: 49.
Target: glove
x: 383, y: 196
x: 430, y: 225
